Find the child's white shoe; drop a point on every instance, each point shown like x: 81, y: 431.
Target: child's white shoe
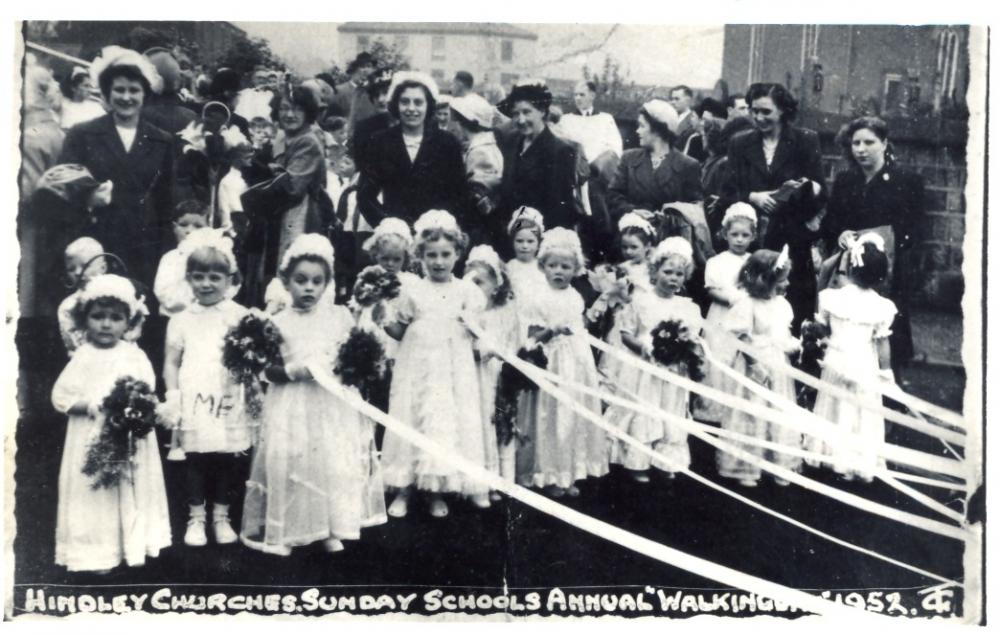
x: 332, y: 545
x: 224, y: 534
x: 400, y: 505
x: 195, y: 534
x: 482, y: 501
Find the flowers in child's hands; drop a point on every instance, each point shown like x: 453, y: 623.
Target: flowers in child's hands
x: 194, y: 137
x: 361, y: 362
x: 815, y: 336
x: 511, y: 384
x: 613, y: 283
x: 672, y: 344
x: 375, y: 284
x: 250, y: 347
x: 129, y: 414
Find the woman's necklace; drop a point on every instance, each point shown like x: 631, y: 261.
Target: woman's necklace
x: 657, y: 159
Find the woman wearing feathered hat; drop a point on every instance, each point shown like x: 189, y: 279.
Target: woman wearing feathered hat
x: 539, y: 168
x: 136, y: 156
x: 413, y: 165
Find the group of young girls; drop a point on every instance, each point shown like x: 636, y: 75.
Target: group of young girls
x: 316, y: 474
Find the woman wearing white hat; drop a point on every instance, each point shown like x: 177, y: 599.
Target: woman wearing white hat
x: 473, y: 117
x: 136, y: 156
x: 413, y: 165
x: 654, y: 174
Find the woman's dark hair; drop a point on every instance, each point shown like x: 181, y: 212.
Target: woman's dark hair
x: 128, y: 72
x: 873, y: 270
x: 877, y: 126
x: 759, y: 275
x: 300, y: 97
x: 712, y: 105
x: 783, y: 100
x: 398, y: 92
x: 659, y: 128
x: 286, y: 271
x: 714, y: 140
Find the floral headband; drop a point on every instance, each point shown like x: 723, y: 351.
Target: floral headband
x: 632, y: 219
x: 525, y: 214
x: 435, y: 219
x: 561, y: 239
x: 674, y: 246
x: 486, y: 255
x: 110, y: 285
x: 739, y: 210
x: 308, y: 245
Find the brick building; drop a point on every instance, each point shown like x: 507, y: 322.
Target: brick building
x: 496, y: 54
x: 915, y: 77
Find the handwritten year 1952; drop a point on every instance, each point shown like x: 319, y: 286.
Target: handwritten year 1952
x: 936, y: 601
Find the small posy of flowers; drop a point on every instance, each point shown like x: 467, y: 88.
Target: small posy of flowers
x: 248, y: 348
x: 375, y: 284
x: 361, y: 362
x: 511, y: 384
x: 612, y: 282
x: 814, y: 336
x: 673, y: 344
x: 129, y: 415
x: 194, y: 137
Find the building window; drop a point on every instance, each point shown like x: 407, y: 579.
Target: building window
x: 756, y: 57
x: 895, y: 93
x: 437, y: 47
x: 400, y: 42
x: 507, y: 79
x: 810, y: 44
x: 363, y: 42
x: 947, y: 64
x: 506, y: 50
x: 437, y: 74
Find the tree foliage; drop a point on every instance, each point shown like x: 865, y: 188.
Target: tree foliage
x: 386, y: 56
x: 246, y: 53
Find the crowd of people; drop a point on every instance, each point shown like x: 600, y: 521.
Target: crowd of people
x: 173, y: 210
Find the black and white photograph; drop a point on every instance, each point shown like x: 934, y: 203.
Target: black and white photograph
x: 496, y: 321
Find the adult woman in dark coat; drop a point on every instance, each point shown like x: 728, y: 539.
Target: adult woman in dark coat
x: 874, y: 192
x: 137, y: 157
x: 777, y: 168
x: 539, y: 169
x: 654, y: 174
x: 413, y: 165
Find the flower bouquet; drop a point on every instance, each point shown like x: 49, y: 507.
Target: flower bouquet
x: 129, y: 414
x: 361, y: 362
x: 372, y: 289
x: 248, y: 348
x: 511, y: 384
x: 673, y: 345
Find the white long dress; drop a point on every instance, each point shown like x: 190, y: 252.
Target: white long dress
x: 639, y: 319
x: 721, y: 273
x: 501, y: 326
x: 857, y: 319
x: 435, y: 389
x: 312, y: 472
x: 99, y: 528
x: 563, y: 447
x: 768, y: 324
x: 213, y: 416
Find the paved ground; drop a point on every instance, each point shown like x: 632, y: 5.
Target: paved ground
x: 516, y: 547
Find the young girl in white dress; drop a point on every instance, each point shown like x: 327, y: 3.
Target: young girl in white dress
x: 215, y: 430
x: 636, y: 235
x: 97, y: 529
x: 435, y: 386
x: 739, y: 227
x: 857, y: 357
x: 669, y: 267
x: 763, y: 319
x: 563, y: 448
x: 499, y: 322
x: 308, y: 479
x: 526, y: 278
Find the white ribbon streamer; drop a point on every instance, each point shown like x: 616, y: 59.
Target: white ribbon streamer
x: 879, y: 509
x: 832, y: 436
x: 601, y: 529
